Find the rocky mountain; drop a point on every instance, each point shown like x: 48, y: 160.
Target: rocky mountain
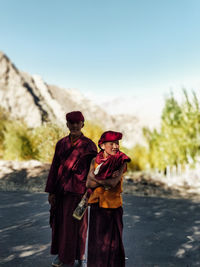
x: 29, y: 97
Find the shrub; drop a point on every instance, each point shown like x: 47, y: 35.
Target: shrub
x: 93, y: 131
x: 45, y: 138
x: 18, y: 142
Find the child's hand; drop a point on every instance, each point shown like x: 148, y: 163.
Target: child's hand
x: 115, y: 174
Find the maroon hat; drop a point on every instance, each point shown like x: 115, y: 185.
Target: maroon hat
x: 74, y: 116
x: 109, y: 136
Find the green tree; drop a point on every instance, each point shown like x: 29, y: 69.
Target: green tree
x: 178, y: 140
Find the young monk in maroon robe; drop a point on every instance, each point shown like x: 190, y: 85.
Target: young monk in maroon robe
x: 66, y: 185
x: 105, y: 246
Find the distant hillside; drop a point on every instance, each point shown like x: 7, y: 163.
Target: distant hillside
x: 30, y: 98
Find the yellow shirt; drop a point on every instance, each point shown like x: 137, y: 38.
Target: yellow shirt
x: 107, y: 198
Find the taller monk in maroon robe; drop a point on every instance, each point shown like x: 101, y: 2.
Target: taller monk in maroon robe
x: 66, y: 186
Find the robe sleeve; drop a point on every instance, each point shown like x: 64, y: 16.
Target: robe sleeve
x: 91, y: 149
x: 53, y: 173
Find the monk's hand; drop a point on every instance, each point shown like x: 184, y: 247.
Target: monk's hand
x: 52, y: 199
x: 115, y: 174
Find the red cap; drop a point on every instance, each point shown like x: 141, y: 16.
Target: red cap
x: 74, y: 116
x: 109, y: 136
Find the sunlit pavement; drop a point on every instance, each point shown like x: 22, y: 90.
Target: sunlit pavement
x: 157, y: 231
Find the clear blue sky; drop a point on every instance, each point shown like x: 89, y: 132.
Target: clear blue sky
x: 107, y: 47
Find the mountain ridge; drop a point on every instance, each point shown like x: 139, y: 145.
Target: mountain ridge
x: 29, y: 97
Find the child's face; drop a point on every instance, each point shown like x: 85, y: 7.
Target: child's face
x: 110, y: 148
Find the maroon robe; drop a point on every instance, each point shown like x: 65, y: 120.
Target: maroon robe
x: 110, y: 164
x: 67, y: 179
x: 105, y: 246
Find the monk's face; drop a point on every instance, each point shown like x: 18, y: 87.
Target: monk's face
x: 75, y: 127
x: 110, y: 148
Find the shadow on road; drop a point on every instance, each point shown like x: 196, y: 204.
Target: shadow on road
x: 24, y: 229
x: 162, y: 232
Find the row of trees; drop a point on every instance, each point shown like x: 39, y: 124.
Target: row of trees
x: 177, y: 142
